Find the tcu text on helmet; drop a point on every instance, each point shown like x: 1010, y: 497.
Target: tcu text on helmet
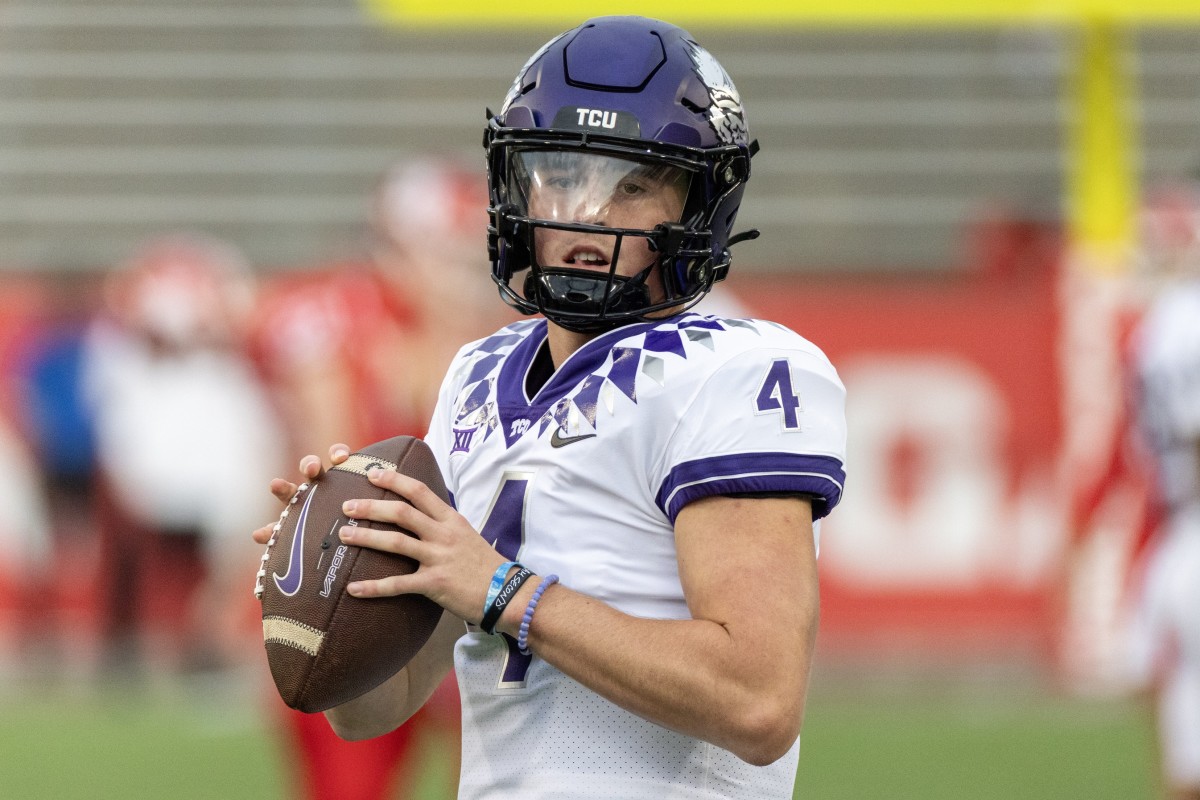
x: 597, y: 118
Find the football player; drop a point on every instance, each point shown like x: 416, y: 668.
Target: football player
x: 1166, y: 353
x: 629, y: 569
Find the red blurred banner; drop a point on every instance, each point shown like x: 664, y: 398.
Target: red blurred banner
x: 952, y: 531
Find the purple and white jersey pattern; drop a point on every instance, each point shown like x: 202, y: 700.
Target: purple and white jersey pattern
x: 585, y: 479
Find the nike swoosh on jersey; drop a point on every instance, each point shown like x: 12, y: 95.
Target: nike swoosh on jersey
x: 289, y: 582
x: 558, y: 440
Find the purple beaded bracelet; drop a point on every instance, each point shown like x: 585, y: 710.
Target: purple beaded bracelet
x: 523, y: 633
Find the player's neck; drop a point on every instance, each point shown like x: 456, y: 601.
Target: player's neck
x: 564, y: 342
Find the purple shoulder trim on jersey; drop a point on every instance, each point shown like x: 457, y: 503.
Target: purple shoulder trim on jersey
x: 482, y: 368
x: 821, y: 476
x: 623, y: 374
x: 697, y: 321
x: 668, y: 341
x: 496, y: 341
x: 475, y: 399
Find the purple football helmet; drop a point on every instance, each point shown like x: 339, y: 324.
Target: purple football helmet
x: 602, y: 117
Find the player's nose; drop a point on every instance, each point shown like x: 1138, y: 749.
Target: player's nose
x: 590, y: 208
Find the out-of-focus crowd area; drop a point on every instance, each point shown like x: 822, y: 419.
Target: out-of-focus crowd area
x: 146, y: 407
x: 131, y: 412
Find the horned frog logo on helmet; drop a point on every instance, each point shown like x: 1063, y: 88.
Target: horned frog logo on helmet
x: 725, y: 115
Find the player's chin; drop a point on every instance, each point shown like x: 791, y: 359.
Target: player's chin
x: 666, y: 312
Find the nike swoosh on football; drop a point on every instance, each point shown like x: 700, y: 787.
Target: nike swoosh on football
x: 558, y: 440
x: 289, y: 582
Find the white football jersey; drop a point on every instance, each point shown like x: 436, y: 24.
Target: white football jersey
x: 1167, y: 358
x: 1164, y: 633
x: 584, y: 479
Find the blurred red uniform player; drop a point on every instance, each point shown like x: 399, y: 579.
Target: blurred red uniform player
x: 25, y: 534
x: 182, y: 423
x: 24, y: 524
x: 25, y: 529
x: 356, y: 355
x: 1154, y: 462
x: 1164, y: 631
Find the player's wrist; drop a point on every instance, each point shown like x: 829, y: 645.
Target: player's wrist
x: 510, y: 620
x: 520, y: 611
x: 499, y: 599
x: 499, y: 577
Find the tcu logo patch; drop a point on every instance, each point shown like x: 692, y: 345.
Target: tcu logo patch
x: 519, y: 427
x: 595, y: 118
x: 620, y: 123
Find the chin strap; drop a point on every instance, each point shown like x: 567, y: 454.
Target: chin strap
x: 629, y: 286
x: 744, y: 236
x: 561, y: 294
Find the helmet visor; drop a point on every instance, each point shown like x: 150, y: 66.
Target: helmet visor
x: 583, y: 202
x: 587, y: 188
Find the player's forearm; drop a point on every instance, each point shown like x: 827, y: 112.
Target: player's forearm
x: 375, y: 713
x: 696, y: 677
x: 390, y: 705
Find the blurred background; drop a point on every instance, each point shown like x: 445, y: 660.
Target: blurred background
x: 951, y: 204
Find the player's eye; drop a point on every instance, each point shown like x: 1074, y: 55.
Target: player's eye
x: 560, y: 181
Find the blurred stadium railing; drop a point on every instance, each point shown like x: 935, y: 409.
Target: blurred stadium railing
x: 266, y: 124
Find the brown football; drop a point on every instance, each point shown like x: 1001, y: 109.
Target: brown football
x: 324, y: 646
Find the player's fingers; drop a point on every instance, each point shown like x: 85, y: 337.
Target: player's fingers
x: 263, y: 535
x: 388, y: 541
x: 376, y: 510
x: 385, y: 587
x: 338, y: 453
x: 283, y: 490
x: 414, y: 491
x: 310, y: 467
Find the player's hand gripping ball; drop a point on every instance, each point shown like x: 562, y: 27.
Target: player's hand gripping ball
x: 324, y: 646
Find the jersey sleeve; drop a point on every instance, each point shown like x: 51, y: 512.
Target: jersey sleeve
x: 768, y: 422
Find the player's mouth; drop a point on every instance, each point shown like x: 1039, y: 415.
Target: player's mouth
x: 586, y: 258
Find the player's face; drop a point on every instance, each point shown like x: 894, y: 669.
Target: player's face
x: 603, y: 191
